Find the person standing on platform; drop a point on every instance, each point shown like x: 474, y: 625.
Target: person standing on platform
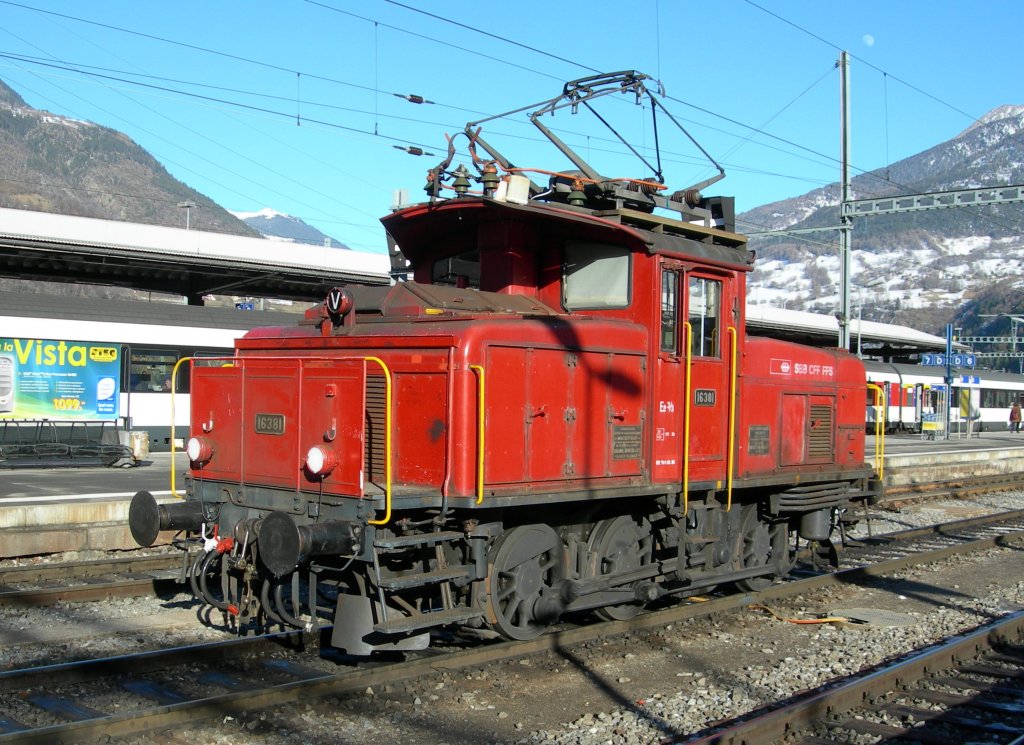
x: 1015, y: 417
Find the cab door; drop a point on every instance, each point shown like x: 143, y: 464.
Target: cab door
x: 670, y: 375
x: 691, y: 407
x: 707, y: 300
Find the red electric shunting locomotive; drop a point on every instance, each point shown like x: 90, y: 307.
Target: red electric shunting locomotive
x: 559, y: 412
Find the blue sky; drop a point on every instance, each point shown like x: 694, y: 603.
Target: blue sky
x: 291, y: 104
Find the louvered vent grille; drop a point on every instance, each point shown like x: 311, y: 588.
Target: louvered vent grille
x: 819, y: 440
x: 376, y: 418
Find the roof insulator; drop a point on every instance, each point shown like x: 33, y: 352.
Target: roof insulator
x: 577, y: 197
x: 412, y: 150
x: 489, y: 178
x: 412, y: 97
x: 461, y: 183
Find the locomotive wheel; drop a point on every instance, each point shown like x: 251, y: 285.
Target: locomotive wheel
x: 620, y: 544
x: 762, y: 545
x: 526, y: 562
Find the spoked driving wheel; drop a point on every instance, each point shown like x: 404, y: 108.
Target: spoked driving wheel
x: 619, y: 545
x: 762, y: 545
x: 526, y: 562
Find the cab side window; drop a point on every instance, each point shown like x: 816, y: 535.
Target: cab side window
x: 669, y: 311
x: 705, y: 316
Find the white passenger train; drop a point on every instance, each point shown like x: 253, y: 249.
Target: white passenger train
x: 151, y: 338
x: 916, y: 397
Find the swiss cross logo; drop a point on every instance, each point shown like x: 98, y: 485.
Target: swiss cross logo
x: 780, y: 367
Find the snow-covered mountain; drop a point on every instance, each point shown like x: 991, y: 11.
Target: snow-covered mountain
x: 278, y: 226
x: 923, y: 269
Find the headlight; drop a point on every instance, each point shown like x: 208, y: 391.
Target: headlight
x: 321, y: 460
x: 199, y: 450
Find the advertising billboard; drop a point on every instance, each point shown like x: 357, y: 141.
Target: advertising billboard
x: 59, y: 379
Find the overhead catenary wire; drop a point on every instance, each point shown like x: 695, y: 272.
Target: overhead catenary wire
x: 250, y: 60
x: 863, y: 61
x: 335, y: 80
x: 124, y: 77
x: 119, y: 77
x: 190, y: 170
x: 499, y: 37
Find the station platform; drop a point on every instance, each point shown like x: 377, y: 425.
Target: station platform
x: 911, y: 459
x: 82, y: 512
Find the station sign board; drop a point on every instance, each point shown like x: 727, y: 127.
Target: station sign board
x: 955, y: 360
x: 58, y: 379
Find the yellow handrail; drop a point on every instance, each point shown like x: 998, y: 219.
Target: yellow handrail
x: 387, y: 441
x: 730, y: 456
x: 174, y: 389
x: 881, y: 417
x: 479, y: 370
x: 686, y: 418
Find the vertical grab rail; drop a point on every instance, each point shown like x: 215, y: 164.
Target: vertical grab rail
x: 174, y: 390
x: 387, y: 441
x: 881, y: 418
x: 730, y: 457
x: 479, y: 370
x: 686, y: 417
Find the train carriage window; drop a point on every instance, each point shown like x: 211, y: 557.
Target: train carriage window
x: 705, y: 313
x: 992, y: 398
x: 595, y: 276
x: 149, y: 370
x: 669, y: 311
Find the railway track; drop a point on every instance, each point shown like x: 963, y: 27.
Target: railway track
x: 83, y: 581
x: 167, y: 689
x: 955, y: 488
x: 967, y: 689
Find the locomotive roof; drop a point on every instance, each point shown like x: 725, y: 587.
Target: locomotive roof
x: 425, y: 230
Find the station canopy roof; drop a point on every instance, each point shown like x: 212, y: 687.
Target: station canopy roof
x: 882, y: 340
x: 193, y: 263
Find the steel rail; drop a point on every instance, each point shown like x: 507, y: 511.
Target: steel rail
x: 162, y: 717
x: 60, y: 571
x: 79, y: 671
x: 812, y: 707
x: 84, y: 593
x: 939, y: 529
x: 953, y: 488
x: 79, y: 581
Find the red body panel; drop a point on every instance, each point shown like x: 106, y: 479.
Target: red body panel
x: 555, y: 418
x: 800, y: 409
x: 573, y: 401
x: 263, y: 415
